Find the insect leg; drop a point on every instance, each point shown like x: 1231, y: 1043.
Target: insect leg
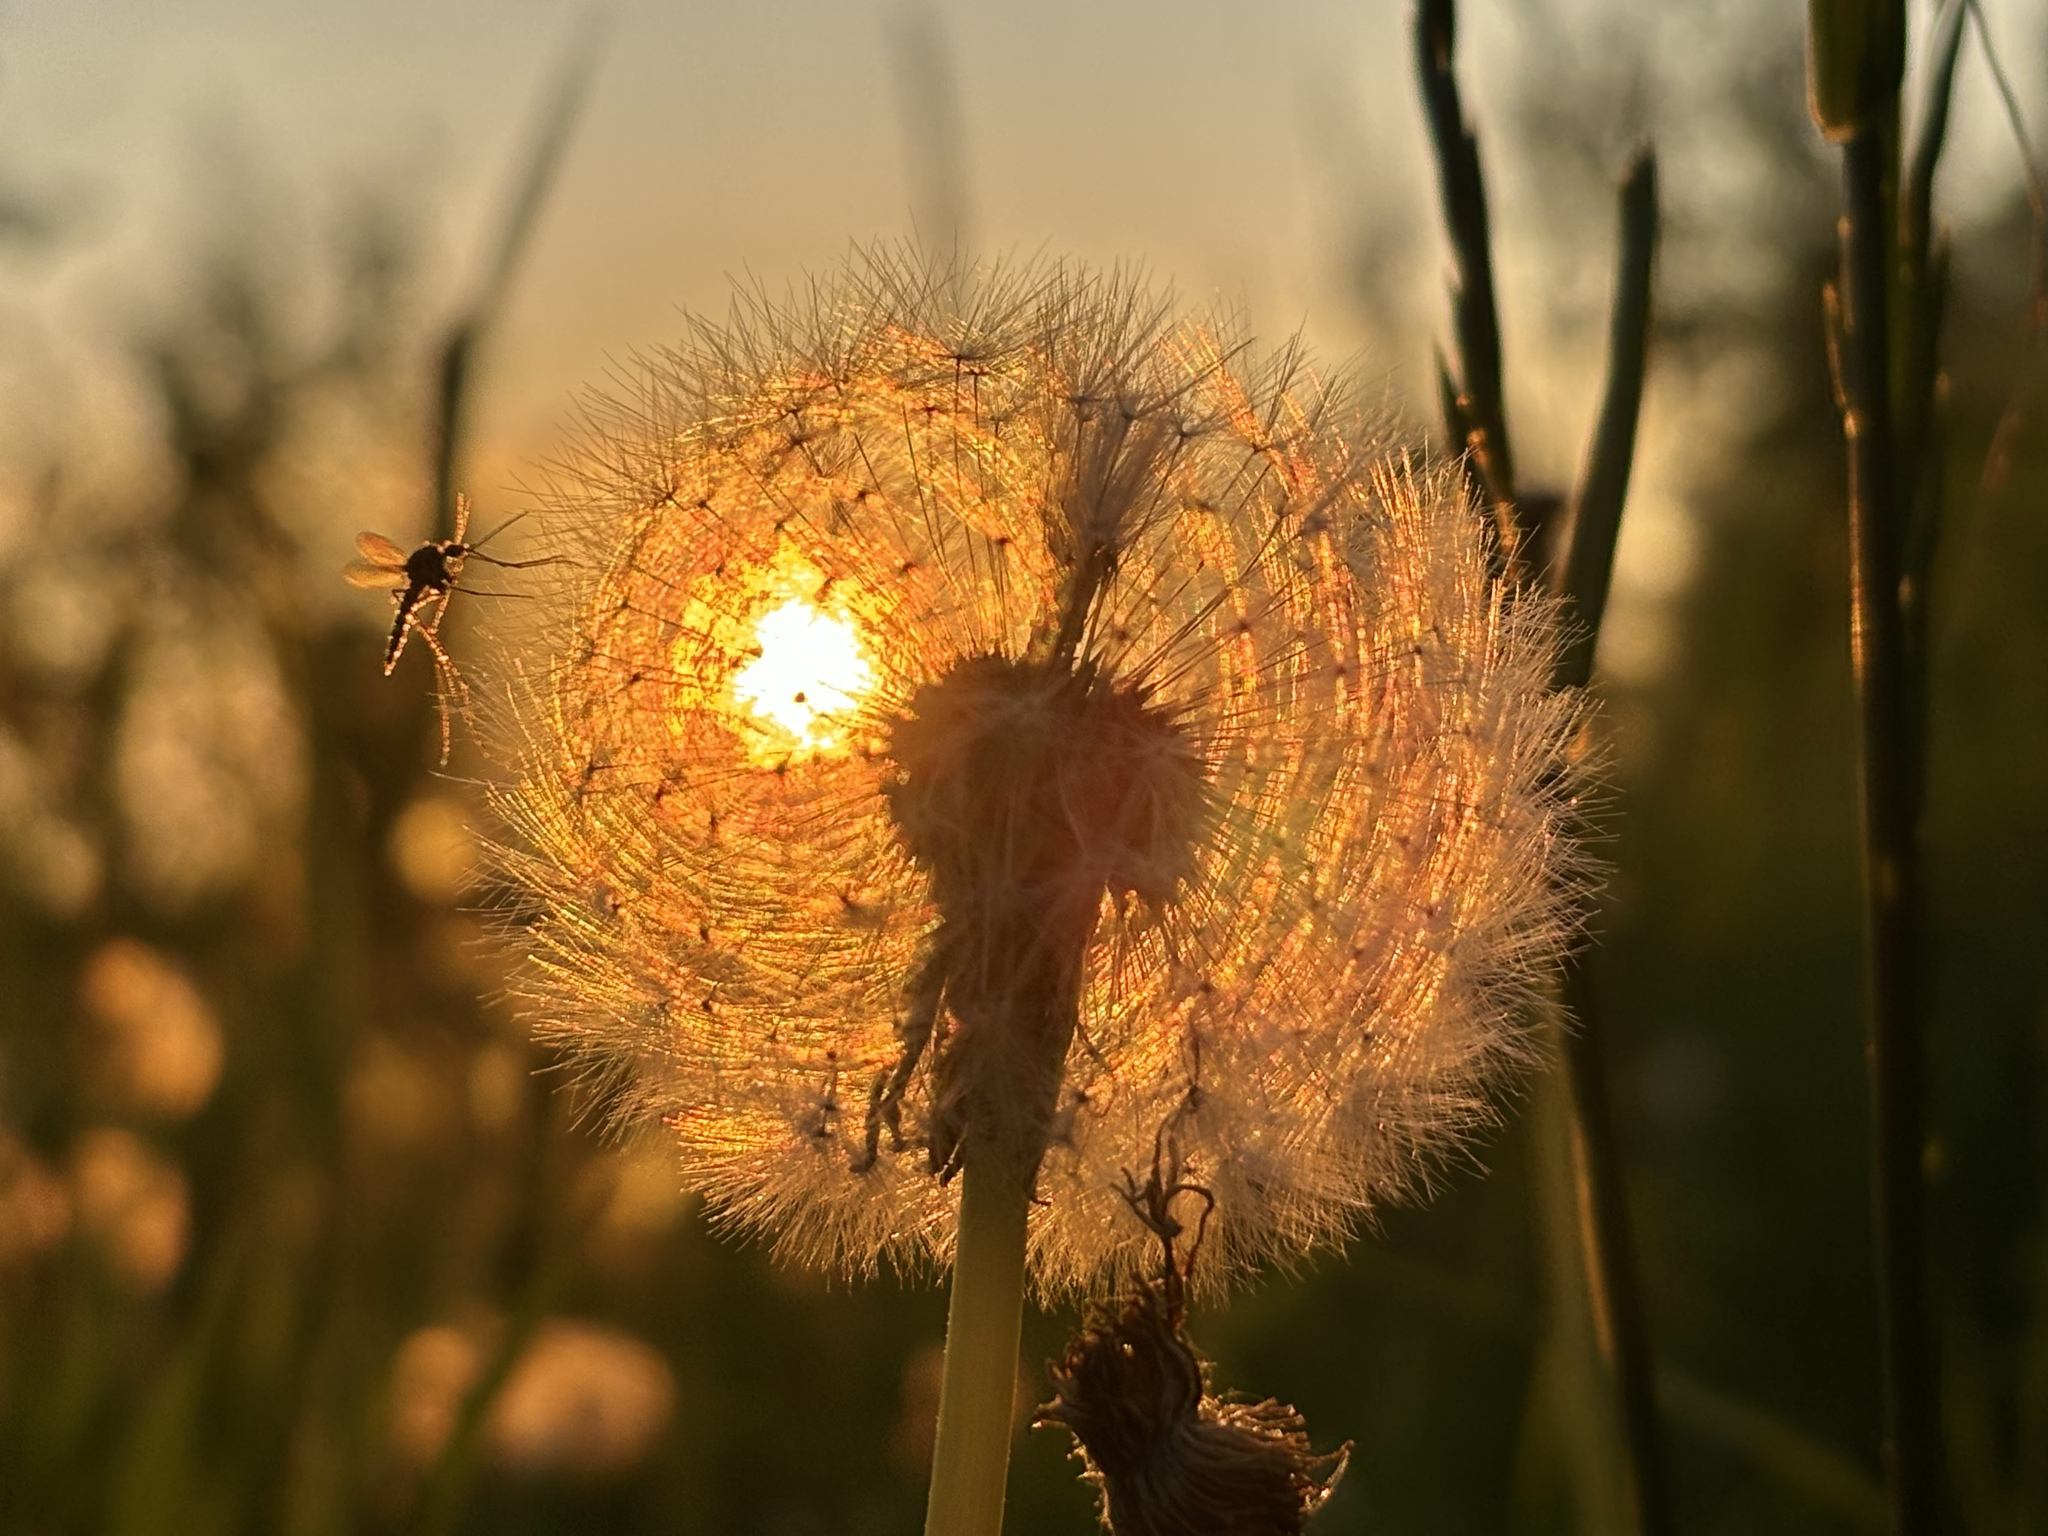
x: 448, y: 682
x: 402, y: 623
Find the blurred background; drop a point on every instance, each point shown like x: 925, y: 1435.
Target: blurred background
x: 296, y: 1234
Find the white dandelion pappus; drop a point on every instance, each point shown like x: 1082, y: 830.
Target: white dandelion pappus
x: 1173, y: 758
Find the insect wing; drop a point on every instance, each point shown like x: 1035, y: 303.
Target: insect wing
x: 378, y: 550
x: 359, y: 573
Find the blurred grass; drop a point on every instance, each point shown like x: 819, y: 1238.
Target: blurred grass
x: 378, y: 1158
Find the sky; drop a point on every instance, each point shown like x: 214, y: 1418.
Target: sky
x: 721, y: 142
x: 1256, y: 153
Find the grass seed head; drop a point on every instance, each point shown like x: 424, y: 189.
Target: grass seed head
x: 1035, y: 719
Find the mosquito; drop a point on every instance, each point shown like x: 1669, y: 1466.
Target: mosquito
x: 420, y: 584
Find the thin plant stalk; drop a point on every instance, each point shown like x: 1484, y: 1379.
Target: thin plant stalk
x: 466, y: 335
x: 1479, y: 394
x: 1581, y: 577
x: 1583, y: 574
x: 1475, y: 408
x: 1888, y: 803
x: 984, y: 1322
x: 547, y: 1251
x: 1613, y: 1283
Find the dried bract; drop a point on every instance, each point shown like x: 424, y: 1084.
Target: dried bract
x: 1168, y: 1456
x: 1027, y: 721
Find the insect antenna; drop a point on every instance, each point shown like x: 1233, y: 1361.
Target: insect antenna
x: 518, y: 565
x: 476, y: 551
x: 516, y: 517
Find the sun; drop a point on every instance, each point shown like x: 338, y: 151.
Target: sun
x: 808, y: 677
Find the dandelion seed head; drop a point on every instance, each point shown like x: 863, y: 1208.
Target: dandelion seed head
x: 1165, y: 751
x: 807, y: 677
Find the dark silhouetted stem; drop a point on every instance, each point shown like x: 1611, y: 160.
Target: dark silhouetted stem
x: 928, y: 101
x: 1587, y: 568
x: 546, y: 1250
x: 1581, y: 578
x: 1889, y: 783
x: 1474, y: 314
x: 1613, y: 1284
x: 445, y: 1491
x: 1923, y: 275
x: 1475, y: 416
x: 458, y: 352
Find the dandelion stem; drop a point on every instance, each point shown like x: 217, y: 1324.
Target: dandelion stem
x: 1888, y: 800
x: 549, y: 1259
x: 971, y: 1456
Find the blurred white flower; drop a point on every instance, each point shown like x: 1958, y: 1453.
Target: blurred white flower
x: 433, y: 1369
x: 208, y: 759
x: 393, y: 1098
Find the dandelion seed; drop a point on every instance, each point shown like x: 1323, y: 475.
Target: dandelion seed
x: 1028, y: 723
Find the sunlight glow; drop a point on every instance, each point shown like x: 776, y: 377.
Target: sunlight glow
x: 810, y: 668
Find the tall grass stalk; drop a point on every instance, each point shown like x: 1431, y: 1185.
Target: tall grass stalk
x: 1476, y: 417
x: 466, y: 335
x: 1888, y: 807
x: 1475, y: 400
x: 1581, y: 577
x: 1885, y: 378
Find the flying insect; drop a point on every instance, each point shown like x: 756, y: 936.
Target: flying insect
x: 421, y: 584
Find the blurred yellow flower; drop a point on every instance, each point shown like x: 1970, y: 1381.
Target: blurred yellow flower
x: 583, y: 1399
x: 35, y: 1207
x: 1036, y: 721
x: 160, y: 1047
x: 133, y: 1203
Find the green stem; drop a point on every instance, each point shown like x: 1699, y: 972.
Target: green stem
x: 1890, y: 784
x: 1463, y: 188
x: 971, y: 1458
x: 458, y: 351
x: 1615, y: 1292
x: 1582, y: 577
